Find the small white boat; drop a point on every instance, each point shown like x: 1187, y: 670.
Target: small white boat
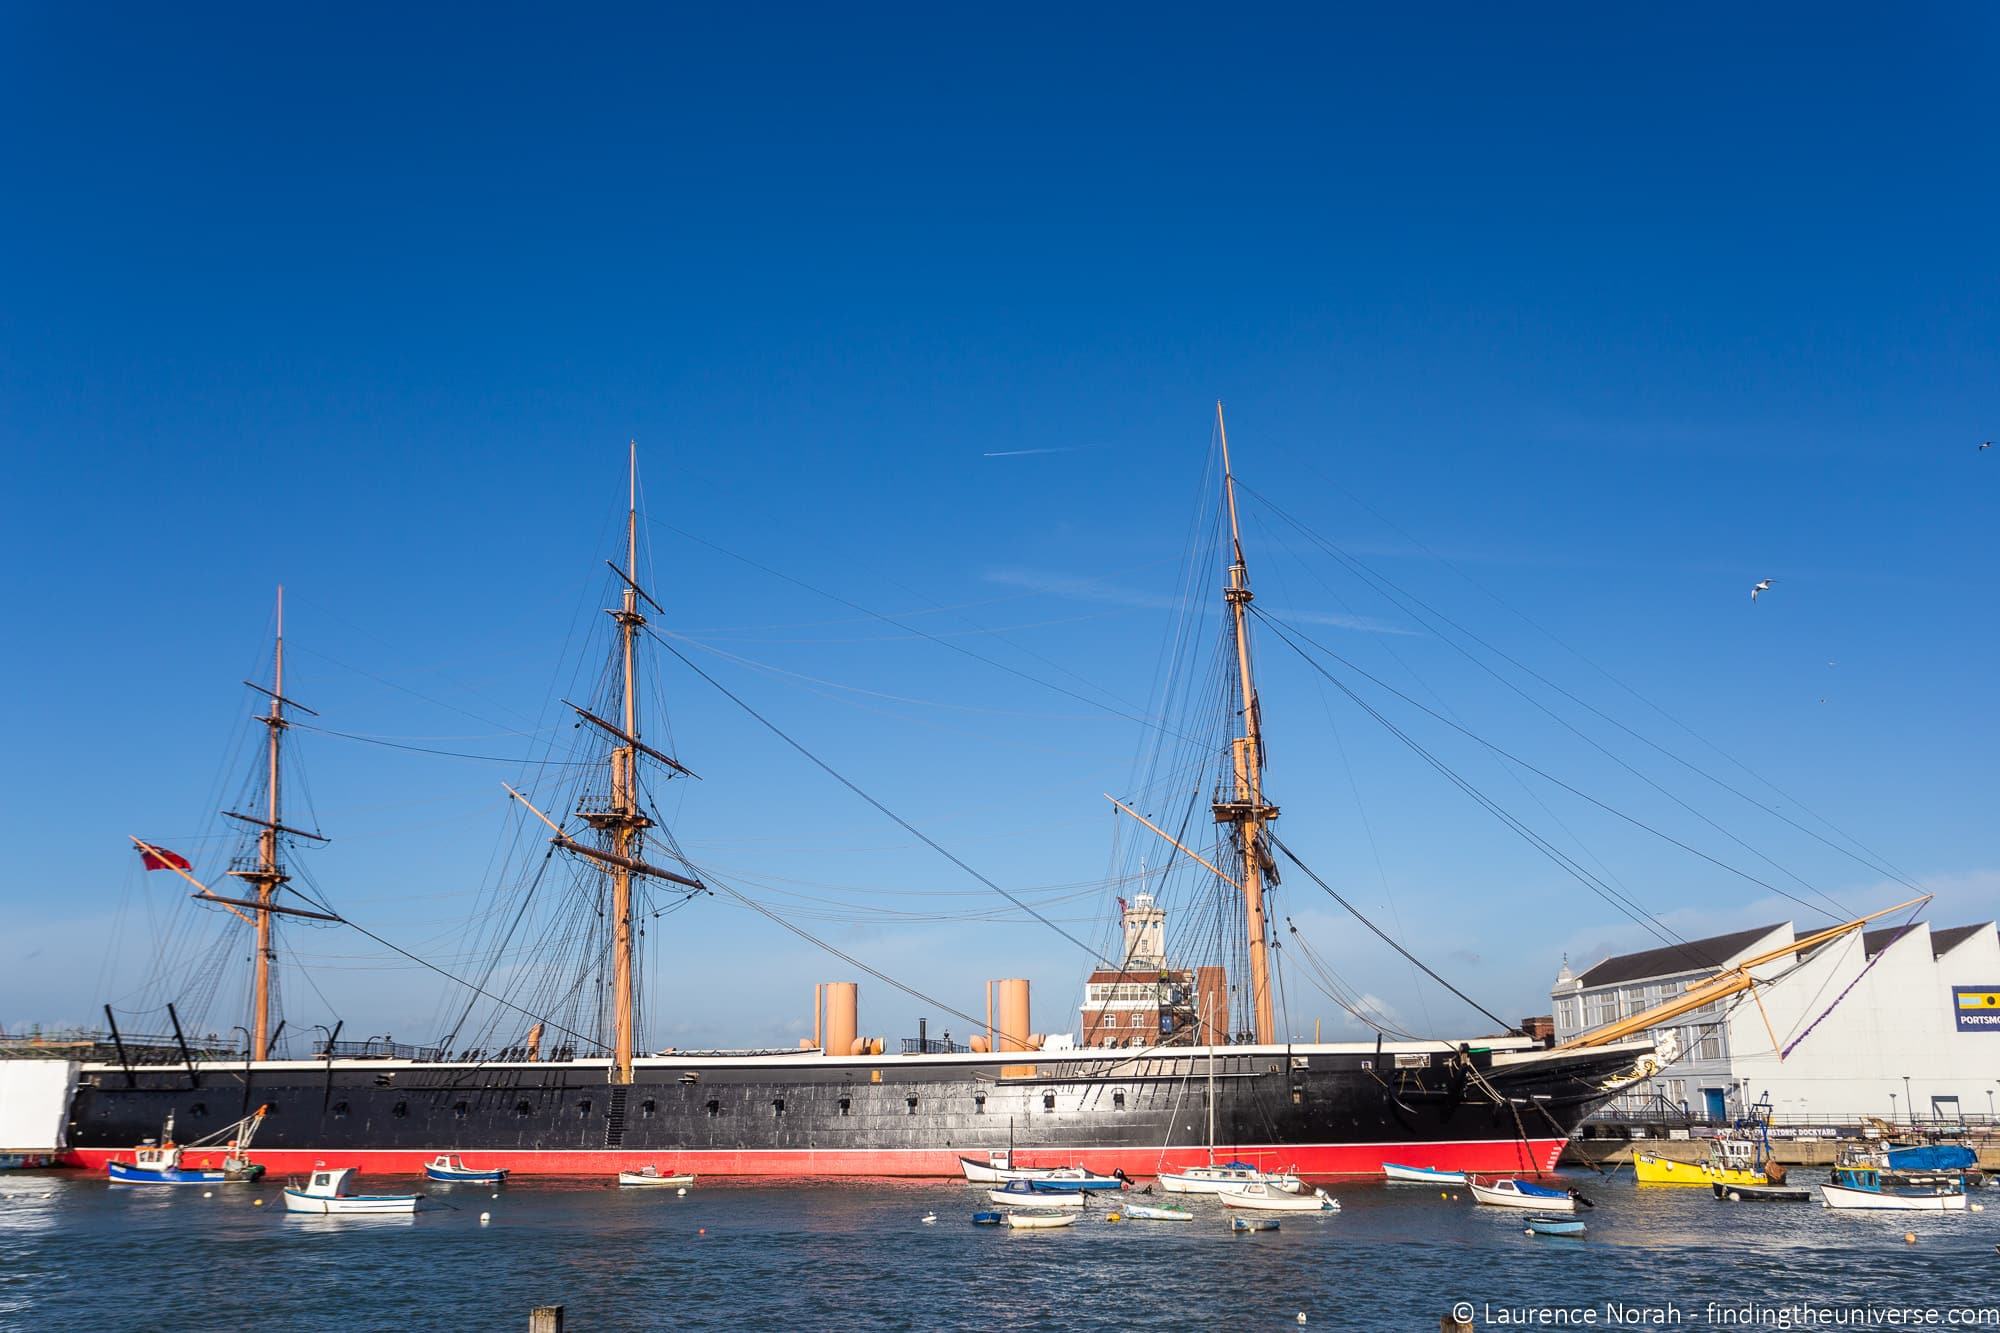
x: 1018, y: 1194
x: 1269, y: 1199
x: 326, y: 1192
x: 450, y: 1169
x: 1512, y: 1193
x: 1234, y: 1175
x: 999, y: 1168
x: 1250, y: 1225
x: 1421, y: 1175
x: 1039, y: 1221
x: 652, y: 1175
x: 1894, y: 1200
x: 1142, y: 1212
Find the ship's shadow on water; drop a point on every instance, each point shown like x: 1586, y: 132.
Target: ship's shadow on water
x: 76, y: 1253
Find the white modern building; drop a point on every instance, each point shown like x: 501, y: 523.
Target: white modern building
x: 1898, y: 1023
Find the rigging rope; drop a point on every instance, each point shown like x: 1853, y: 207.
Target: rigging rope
x: 905, y: 824
x: 1381, y: 934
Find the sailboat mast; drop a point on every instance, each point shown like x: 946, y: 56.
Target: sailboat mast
x: 627, y: 821
x: 1247, y: 811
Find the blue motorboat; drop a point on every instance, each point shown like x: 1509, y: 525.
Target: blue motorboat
x: 450, y: 1169
x: 162, y: 1166
x: 988, y: 1219
x: 1555, y: 1226
x: 1067, y: 1185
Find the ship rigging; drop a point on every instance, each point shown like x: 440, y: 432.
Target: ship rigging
x: 837, y: 1106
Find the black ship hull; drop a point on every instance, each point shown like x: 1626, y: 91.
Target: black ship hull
x: 1319, y: 1110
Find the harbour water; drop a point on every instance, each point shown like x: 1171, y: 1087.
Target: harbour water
x: 77, y: 1253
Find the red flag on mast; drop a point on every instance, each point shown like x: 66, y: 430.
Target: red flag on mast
x: 159, y: 858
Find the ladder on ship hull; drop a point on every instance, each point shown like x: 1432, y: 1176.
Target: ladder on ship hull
x: 614, y: 1117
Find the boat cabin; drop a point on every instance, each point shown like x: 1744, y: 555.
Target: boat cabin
x: 329, y: 1183
x: 163, y: 1158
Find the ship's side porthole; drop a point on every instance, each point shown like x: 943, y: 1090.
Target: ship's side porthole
x: 583, y: 1108
x: 340, y: 1110
x: 523, y: 1109
x: 648, y: 1108
x: 401, y: 1110
x: 913, y: 1104
x: 198, y: 1110
x: 1298, y: 1095
x: 979, y: 1103
x: 1048, y: 1101
x: 714, y: 1107
x: 777, y: 1106
x: 1118, y: 1101
x: 846, y: 1104
x: 459, y: 1109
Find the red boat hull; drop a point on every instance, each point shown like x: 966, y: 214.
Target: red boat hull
x: 1320, y: 1161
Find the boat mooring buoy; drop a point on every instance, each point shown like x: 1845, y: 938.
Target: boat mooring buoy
x: 1302, y: 1316
x: 681, y: 1193
x: 256, y: 1203
x: 484, y: 1218
x: 208, y: 1194
x: 1909, y: 1238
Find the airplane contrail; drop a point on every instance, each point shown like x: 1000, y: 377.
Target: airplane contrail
x: 1023, y: 453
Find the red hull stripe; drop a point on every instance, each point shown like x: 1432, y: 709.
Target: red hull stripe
x: 1486, y: 1156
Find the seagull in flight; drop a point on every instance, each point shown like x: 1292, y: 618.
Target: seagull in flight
x: 1985, y: 446
x: 1765, y: 586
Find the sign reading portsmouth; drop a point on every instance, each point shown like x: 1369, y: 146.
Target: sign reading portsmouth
x: 1978, y: 1008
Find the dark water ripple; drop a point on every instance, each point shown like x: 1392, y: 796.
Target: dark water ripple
x: 78, y: 1254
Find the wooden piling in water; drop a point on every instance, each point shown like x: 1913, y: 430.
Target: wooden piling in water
x: 545, y: 1319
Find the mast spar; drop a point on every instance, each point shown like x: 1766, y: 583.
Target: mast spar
x: 1248, y: 810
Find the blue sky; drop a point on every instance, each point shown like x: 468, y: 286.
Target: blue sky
x: 1608, y: 315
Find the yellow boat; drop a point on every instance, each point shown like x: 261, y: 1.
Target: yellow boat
x: 1652, y: 1170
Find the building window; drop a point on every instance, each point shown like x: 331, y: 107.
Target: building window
x: 1711, y: 1047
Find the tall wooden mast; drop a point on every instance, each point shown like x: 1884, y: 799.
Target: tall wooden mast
x: 622, y: 822
x: 1247, y: 810
x: 266, y: 875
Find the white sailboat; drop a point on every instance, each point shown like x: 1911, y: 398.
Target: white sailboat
x: 1213, y: 1179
